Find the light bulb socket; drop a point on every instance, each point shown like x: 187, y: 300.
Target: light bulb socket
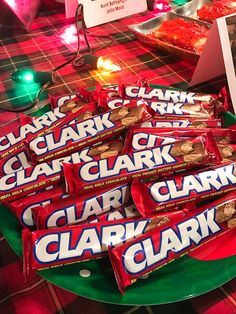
x: 150, y: 4
x: 91, y: 60
x: 28, y: 76
x: 43, y: 77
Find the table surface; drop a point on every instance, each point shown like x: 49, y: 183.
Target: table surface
x: 42, y: 49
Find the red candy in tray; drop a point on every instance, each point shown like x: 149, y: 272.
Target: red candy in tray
x: 212, y: 11
x: 184, y: 154
x: 150, y: 197
x: 162, y: 245
x: 183, y: 33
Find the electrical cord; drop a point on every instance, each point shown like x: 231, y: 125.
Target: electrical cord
x: 75, y: 60
x: 31, y: 105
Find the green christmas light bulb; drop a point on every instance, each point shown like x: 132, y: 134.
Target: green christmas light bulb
x: 179, y: 2
x: 28, y: 76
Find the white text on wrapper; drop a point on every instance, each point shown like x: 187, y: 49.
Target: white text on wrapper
x: 35, y: 126
x: 191, y: 231
x: 161, y: 108
x: 44, y: 170
x: 211, y: 180
x: 140, y: 160
x: 72, y: 133
x: 148, y: 93
x: 90, y: 207
x: 91, y: 239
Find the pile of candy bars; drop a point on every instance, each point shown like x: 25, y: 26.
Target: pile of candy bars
x: 142, y: 174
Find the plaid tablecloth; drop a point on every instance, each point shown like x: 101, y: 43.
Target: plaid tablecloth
x: 42, y: 49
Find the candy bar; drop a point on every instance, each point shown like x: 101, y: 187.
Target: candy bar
x: 186, y: 123
x: 141, y: 138
x: 168, y: 104
x: 22, y: 208
x: 14, y: 162
x: 65, y: 140
x: 14, y: 140
x: 150, y: 197
x: 28, y: 180
x: 171, y: 110
x: 126, y: 211
x: 71, y: 101
x: 74, y: 210
x: 19, y: 159
x: 57, y: 246
x: 162, y: 245
x: 144, y: 163
x: 155, y: 94
x: 20, y: 183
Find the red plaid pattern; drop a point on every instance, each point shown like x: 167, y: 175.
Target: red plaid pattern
x: 42, y: 50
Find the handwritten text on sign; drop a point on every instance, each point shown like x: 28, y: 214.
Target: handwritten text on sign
x: 98, y: 12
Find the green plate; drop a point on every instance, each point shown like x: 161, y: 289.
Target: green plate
x: 183, y: 279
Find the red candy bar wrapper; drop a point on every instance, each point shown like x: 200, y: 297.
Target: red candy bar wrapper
x: 78, y: 99
x: 68, y: 218
x: 126, y: 211
x: 24, y: 119
x: 15, y: 140
x: 74, y: 210
x: 228, y: 152
x: 224, y: 136
x: 141, y: 138
x: 14, y: 162
x: 150, y: 197
x: 162, y: 245
x: 22, y: 208
x: 65, y: 140
x: 165, y: 102
x: 170, y: 110
x: 39, y: 191
x: 19, y: 159
x: 130, y: 211
x: 186, y: 123
x: 57, y: 246
x: 23, y: 182
x: 151, y: 94
x: 184, y: 154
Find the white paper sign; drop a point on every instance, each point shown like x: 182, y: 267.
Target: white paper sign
x: 219, y: 55
x: 70, y: 6
x: 98, y: 12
